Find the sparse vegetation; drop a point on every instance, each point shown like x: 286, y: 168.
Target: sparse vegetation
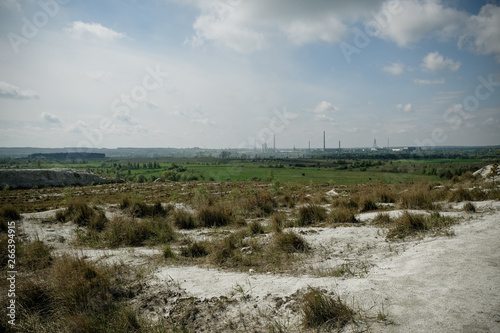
x: 215, y: 216
x: 321, y: 310
x: 469, y: 207
x: 290, y: 242
x: 413, y: 224
x: 311, y: 214
x: 342, y: 215
x: 91, y: 297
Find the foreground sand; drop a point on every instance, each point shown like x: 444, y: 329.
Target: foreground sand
x: 435, y: 284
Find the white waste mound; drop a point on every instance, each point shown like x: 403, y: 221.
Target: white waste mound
x: 332, y: 193
x: 483, y: 172
x: 29, y: 178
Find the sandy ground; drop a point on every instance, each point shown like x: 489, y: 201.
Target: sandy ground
x: 435, y: 284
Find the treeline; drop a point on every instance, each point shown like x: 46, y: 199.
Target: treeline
x: 68, y: 156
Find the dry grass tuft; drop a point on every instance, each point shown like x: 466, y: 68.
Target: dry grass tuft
x: 320, y: 310
x: 311, y: 214
x: 290, y: 242
x: 215, y: 216
x: 417, y: 197
x: 183, y: 219
x: 342, y: 215
x: 414, y: 224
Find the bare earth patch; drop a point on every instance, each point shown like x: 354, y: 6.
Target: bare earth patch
x: 425, y: 284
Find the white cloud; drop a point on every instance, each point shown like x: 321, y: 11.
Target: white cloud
x: 323, y: 117
x: 405, y: 108
x: 248, y: 26
x: 421, y: 82
x: 151, y: 105
x: 324, y: 107
x: 481, y: 34
x: 125, y: 117
x: 329, y: 29
x: 99, y: 76
x: 434, y: 62
x: 416, y: 19
x: 11, y: 4
x: 395, y: 68
x: 50, y: 118
x: 8, y: 90
x: 81, y: 30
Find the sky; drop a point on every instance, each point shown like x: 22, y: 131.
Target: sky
x: 243, y: 73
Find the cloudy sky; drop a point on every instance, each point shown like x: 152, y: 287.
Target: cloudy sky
x: 233, y: 73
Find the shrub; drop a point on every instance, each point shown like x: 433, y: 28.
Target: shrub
x: 311, y: 214
x: 407, y: 224
x: 3, y: 224
x: 382, y: 219
x: 366, y: 204
x: 460, y: 194
x: 35, y: 255
x: 384, y: 194
x: 320, y: 310
x: 183, y: 219
x: 226, y: 251
x: 215, y: 216
x: 128, y: 232
x: 342, y: 215
x: 418, y: 197
x: 256, y: 228
x: 83, y: 215
x: 194, y: 250
x: 167, y: 252
x: 278, y: 222
x: 469, y: 207
x: 290, y: 242
x: 258, y: 203
x: 10, y: 213
x: 412, y: 224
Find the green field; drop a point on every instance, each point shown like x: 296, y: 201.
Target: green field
x: 333, y: 171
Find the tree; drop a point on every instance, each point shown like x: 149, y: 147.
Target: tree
x: 493, y: 172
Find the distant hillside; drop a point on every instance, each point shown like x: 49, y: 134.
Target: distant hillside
x: 28, y: 178
x: 68, y: 156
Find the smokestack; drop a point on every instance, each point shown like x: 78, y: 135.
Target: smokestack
x: 274, y: 143
x: 324, y: 145
x: 339, y: 145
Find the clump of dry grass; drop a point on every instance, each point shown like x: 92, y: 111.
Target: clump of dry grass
x: 256, y: 228
x: 382, y: 219
x: 69, y: 294
x: 278, y: 222
x: 408, y: 225
x: 194, y: 250
x: 469, y: 207
x: 123, y: 231
x: 257, y: 203
x: 184, y: 219
x: 138, y: 208
x: 342, y: 215
x: 10, y: 213
x: 417, y: 197
x: 83, y: 215
x: 35, y: 255
x: 290, y: 242
x: 320, y: 310
x: 311, y: 214
x: 215, y: 216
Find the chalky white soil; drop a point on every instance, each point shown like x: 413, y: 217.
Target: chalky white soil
x: 434, y: 284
